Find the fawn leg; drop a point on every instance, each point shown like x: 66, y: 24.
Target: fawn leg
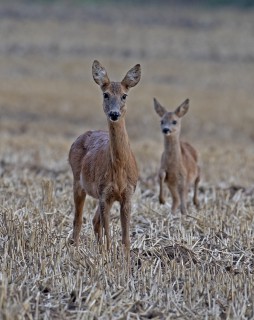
x: 175, y: 198
x: 104, y: 207
x: 97, y: 225
x: 183, y: 191
x: 183, y: 200
x: 195, y: 197
x: 79, y: 196
x: 162, y: 176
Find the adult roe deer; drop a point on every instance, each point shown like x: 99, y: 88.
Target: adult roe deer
x: 102, y: 162
x: 179, y: 162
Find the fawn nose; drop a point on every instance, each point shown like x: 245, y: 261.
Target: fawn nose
x: 114, y: 115
x: 166, y: 130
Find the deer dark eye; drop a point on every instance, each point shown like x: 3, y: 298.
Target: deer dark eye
x: 105, y: 95
x: 162, y: 121
x: 174, y: 122
x: 124, y: 96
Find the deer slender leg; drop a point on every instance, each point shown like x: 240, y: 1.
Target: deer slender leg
x: 97, y: 225
x: 125, y: 212
x: 104, y: 207
x: 175, y: 197
x: 195, y: 197
x: 183, y: 196
x: 162, y: 176
x: 79, y: 196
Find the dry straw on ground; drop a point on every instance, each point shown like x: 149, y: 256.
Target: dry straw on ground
x: 198, y: 266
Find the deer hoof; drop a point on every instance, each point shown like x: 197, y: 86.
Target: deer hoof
x: 197, y: 204
x: 162, y: 201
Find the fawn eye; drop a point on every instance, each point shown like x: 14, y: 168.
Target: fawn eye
x: 162, y: 121
x: 124, y: 96
x: 174, y: 122
x: 105, y: 95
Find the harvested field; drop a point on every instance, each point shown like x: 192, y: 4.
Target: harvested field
x: 198, y: 266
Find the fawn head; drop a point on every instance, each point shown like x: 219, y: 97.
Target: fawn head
x: 171, y: 121
x: 115, y: 93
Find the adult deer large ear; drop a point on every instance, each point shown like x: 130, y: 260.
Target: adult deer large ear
x: 182, y: 109
x: 100, y: 75
x: 159, y: 109
x: 132, y: 77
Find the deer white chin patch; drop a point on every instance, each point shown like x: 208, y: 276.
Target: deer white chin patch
x: 114, y: 120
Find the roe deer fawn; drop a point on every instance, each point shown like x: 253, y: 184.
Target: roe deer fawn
x: 179, y: 161
x: 102, y: 162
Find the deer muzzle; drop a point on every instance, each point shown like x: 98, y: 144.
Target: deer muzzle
x: 114, y: 115
x: 166, y: 131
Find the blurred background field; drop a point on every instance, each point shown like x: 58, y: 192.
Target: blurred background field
x: 48, y: 96
x: 203, y: 51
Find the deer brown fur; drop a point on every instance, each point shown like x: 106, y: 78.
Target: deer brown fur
x: 102, y: 162
x: 179, y: 162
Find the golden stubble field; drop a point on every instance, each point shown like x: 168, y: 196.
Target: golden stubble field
x: 198, y: 266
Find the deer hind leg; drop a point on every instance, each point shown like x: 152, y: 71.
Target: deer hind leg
x: 97, y: 225
x: 79, y: 196
x: 195, y: 197
x: 175, y: 198
x: 104, y: 208
x: 162, y: 176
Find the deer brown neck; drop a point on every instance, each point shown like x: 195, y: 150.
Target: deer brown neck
x: 119, y: 142
x: 172, y: 147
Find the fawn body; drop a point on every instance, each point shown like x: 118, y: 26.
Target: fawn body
x: 179, y: 162
x: 102, y: 162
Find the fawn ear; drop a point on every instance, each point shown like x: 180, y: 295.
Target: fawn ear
x: 132, y: 77
x: 159, y: 109
x: 182, y: 109
x: 100, y: 74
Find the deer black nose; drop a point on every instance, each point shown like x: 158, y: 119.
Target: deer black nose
x: 165, y: 130
x: 114, y: 115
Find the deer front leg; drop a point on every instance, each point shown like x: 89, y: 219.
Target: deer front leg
x: 162, y: 176
x: 175, y: 198
x: 79, y: 196
x: 104, y: 208
x: 183, y: 190
x: 125, y: 213
x: 97, y: 225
